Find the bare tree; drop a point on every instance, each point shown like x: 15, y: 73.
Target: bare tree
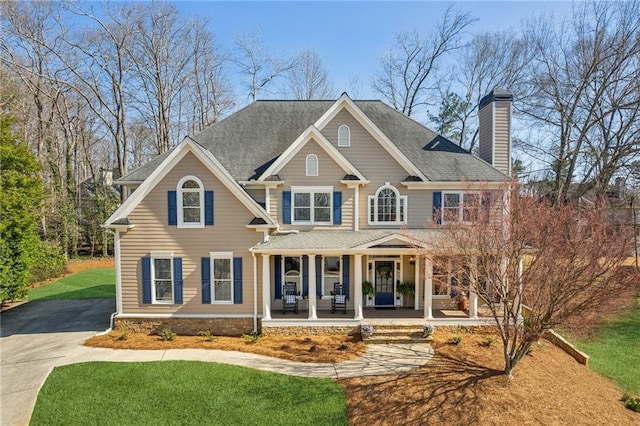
x: 258, y: 67
x: 583, y: 95
x: 406, y: 78
x: 309, y: 79
x: 490, y: 60
x: 561, y: 262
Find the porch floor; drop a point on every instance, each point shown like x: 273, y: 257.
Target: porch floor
x: 399, y: 315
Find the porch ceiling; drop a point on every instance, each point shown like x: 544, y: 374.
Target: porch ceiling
x: 347, y: 240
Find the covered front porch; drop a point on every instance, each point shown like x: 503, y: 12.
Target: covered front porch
x: 383, y: 275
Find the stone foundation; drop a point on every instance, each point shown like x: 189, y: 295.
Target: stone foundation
x: 310, y: 330
x: 187, y: 326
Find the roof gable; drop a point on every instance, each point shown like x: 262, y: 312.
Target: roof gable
x: 344, y: 102
x: 169, y: 162
x: 311, y: 133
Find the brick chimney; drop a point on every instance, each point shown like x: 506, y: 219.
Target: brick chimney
x: 495, y: 129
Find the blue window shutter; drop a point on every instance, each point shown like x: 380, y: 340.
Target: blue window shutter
x: 337, y: 207
x: 146, y: 280
x: 177, y: 280
x: 208, y: 207
x: 286, y: 207
x: 237, y: 280
x: 319, y: 276
x: 345, y: 273
x: 277, y: 270
x: 437, y: 208
x: 205, y: 264
x: 305, y: 275
x: 173, y: 208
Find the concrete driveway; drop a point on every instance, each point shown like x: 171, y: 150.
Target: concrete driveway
x: 34, y: 338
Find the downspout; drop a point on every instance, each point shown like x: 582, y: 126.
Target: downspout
x: 116, y: 254
x: 255, y: 292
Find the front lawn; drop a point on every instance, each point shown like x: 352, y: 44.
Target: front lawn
x: 184, y: 392
x: 615, y: 349
x: 87, y: 284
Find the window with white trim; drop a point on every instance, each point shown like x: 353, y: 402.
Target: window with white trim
x: 221, y: 277
x: 331, y: 273
x: 344, y: 136
x: 162, y: 278
x: 190, y: 202
x: 450, y: 277
x: 387, y: 207
x: 292, y: 272
x: 460, y: 206
x: 312, y: 165
x: 312, y: 205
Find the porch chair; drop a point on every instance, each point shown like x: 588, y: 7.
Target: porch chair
x: 289, y: 297
x: 339, y: 298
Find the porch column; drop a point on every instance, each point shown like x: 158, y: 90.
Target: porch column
x: 473, y: 305
x: 313, y: 314
x: 428, y: 289
x: 266, y: 288
x: 357, y: 286
x: 416, y: 280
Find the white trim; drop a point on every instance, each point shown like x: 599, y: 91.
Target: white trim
x: 311, y: 165
x: 396, y: 236
x: 118, y: 271
x: 347, y: 143
x: 207, y: 158
x: 311, y: 133
x: 356, y: 208
x: 372, y: 203
x: 152, y: 267
x: 311, y: 190
x: 322, y: 289
x: 224, y: 255
x: 460, y: 185
x: 460, y: 207
x: 124, y: 316
x: 179, y: 195
x: 344, y: 102
x: 493, y: 133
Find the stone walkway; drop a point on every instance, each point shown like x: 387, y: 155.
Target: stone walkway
x: 377, y: 360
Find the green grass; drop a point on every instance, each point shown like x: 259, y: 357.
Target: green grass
x: 185, y: 393
x: 615, y: 351
x: 87, y: 284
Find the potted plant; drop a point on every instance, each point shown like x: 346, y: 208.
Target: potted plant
x: 427, y: 331
x: 366, y: 330
x: 407, y: 289
x: 369, y: 291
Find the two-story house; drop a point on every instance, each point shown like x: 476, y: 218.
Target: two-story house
x: 296, y: 204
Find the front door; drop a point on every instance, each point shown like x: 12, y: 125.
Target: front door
x: 385, y: 277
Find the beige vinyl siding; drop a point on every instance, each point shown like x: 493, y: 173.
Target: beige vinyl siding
x: 152, y: 233
x: 329, y: 174
x: 486, y: 133
x: 377, y: 166
x: 501, y: 154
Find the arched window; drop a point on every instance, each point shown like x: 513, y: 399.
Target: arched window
x: 387, y: 206
x: 190, y: 202
x: 344, y: 135
x: 312, y: 165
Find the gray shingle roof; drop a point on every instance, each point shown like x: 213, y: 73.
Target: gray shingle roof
x: 247, y: 142
x: 341, y: 240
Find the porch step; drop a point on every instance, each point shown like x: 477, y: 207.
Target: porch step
x: 395, y: 334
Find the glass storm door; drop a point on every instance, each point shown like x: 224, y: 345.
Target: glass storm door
x: 385, y: 277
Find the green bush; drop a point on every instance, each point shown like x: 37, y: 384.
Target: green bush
x: 48, y: 262
x: 632, y: 402
x: 166, y: 334
x: 456, y: 340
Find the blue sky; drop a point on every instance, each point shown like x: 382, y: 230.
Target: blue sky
x: 350, y: 36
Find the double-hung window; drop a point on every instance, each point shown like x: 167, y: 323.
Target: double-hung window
x: 331, y: 273
x: 222, y: 274
x: 190, y: 202
x: 312, y: 205
x: 162, y: 278
x: 387, y: 207
x: 460, y: 207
